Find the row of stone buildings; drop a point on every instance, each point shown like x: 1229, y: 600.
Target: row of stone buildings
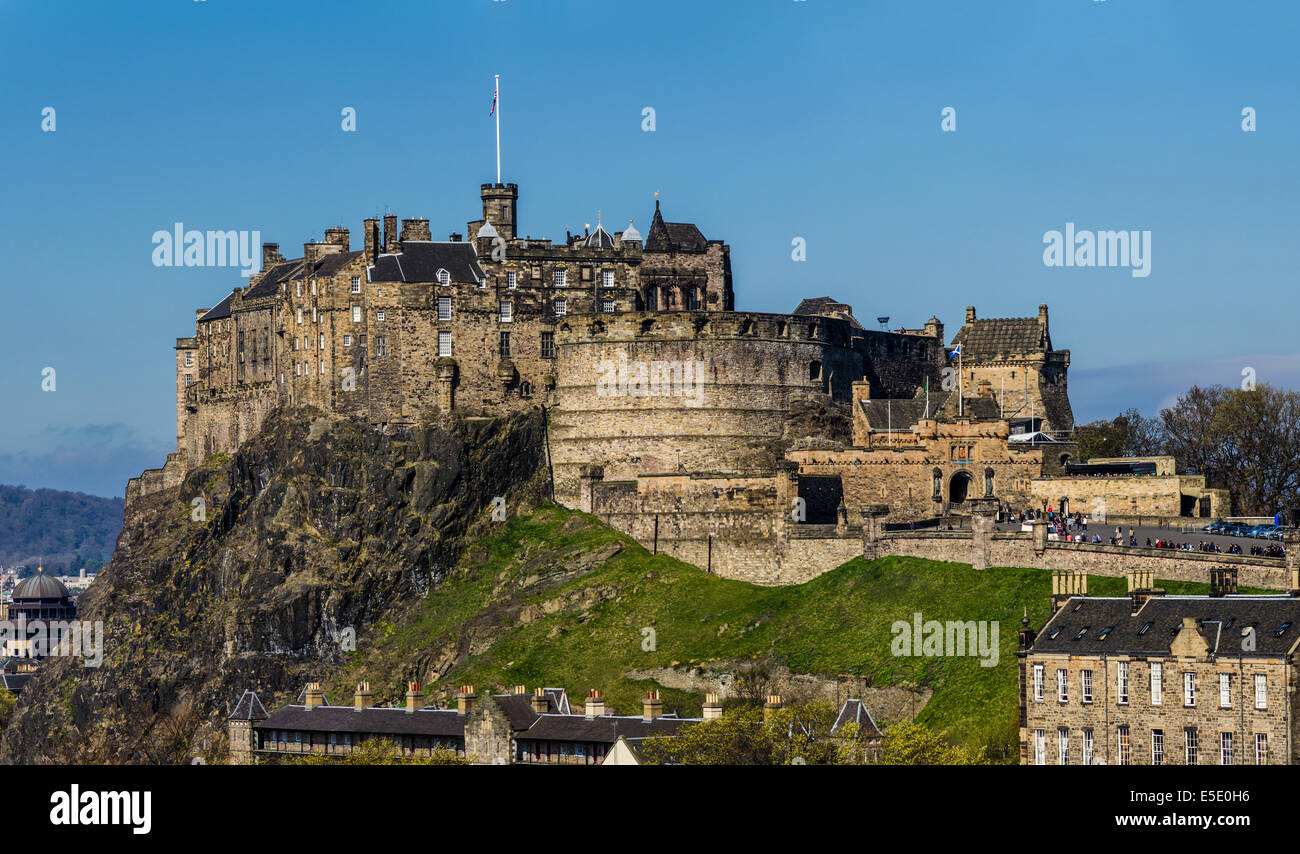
x: 517, y: 728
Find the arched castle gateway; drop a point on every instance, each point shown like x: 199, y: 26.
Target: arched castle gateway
x: 747, y: 443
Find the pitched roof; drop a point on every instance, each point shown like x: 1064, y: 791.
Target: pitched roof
x: 332, y: 263
x: 420, y: 261
x: 220, y: 310
x: 249, y: 708
x: 999, y: 337
x: 15, y: 681
x: 828, y: 307
x: 855, y: 711
x: 375, y: 720
x: 604, y: 729
x: 269, y: 284
x: 599, y: 239
x: 1222, y: 620
x: 674, y: 236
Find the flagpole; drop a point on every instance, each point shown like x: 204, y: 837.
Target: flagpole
x: 496, y: 96
x: 959, y: 400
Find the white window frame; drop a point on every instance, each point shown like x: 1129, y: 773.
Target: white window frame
x: 1189, y: 689
x: 561, y: 307
x: 1062, y: 746
x: 1157, y: 747
x: 322, y: 341
x: 1157, y: 683
x: 1087, y: 746
x: 1225, y: 748
x: 1225, y: 691
x: 356, y: 284
x: 1261, y: 691
x: 1261, y: 748
x: 379, y: 316
x: 299, y: 315
x: 444, y: 301
x: 607, y: 278
x: 1038, y: 682
x: 1121, y: 682
x: 506, y: 311
x: 1085, y: 676
x: 444, y: 278
x: 444, y: 336
x: 512, y: 279
x: 561, y: 278
x: 1124, y: 744
x: 356, y: 314
x: 1039, y: 747
x: 347, y: 340
x: 1191, y: 745
x: 1062, y: 686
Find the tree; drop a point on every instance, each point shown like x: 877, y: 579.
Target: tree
x: 1128, y: 434
x: 911, y: 743
x: 794, y: 735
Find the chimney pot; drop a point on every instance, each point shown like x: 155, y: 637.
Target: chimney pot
x: 652, y: 707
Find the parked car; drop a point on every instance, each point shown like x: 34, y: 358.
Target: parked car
x: 1258, y: 531
x: 1234, y: 529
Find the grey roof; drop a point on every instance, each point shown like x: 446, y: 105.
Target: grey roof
x: 374, y: 720
x: 996, y: 338
x: 604, y: 729
x: 828, y: 307
x: 249, y: 708
x: 855, y: 711
x: 332, y: 263
x: 420, y: 261
x: 269, y: 283
x: 302, y: 697
x: 220, y: 310
x: 1221, y: 618
x: 40, y: 586
x: 674, y: 236
x: 15, y: 681
x: 599, y: 239
x: 630, y: 233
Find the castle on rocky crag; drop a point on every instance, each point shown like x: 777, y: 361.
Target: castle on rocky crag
x: 751, y: 444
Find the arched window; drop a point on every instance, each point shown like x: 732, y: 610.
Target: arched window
x: 652, y: 299
x: 1065, y: 460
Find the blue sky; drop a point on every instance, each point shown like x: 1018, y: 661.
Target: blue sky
x: 774, y: 119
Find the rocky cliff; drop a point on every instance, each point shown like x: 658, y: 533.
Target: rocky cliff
x: 261, y: 569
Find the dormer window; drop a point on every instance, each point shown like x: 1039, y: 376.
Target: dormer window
x: 444, y: 278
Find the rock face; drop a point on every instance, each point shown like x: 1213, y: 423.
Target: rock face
x: 260, y: 570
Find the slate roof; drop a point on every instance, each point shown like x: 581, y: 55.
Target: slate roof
x: 599, y: 239
x: 1266, y: 614
x: 604, y: 729
x: 828, y: 307
x: 420, y: 261
x: 674, y: 236
x: 995, y: 338
x: 15, y: 681
x: 855, y: 711
x: 269, y: 284
x: 518, y: 708
x: 249, y: 708
x: 375, y: 720
x: 331, y: 264
x: 302, y: 697
x: 220, y: 310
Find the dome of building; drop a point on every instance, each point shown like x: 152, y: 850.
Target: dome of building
x: 630, y: 233
x: 600, y: 239
x: 488, y: 230
x: 40, y: 586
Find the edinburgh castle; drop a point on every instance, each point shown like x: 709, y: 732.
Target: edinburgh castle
x: 759, y: 446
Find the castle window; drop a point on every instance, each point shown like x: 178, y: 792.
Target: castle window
x: 356, y: 314
x: 548, y: 345
x: 356, y: 284
x: 444, y: 308
x: 651, y: 299
x: 347, y: 340
x: 444, y: 343
x: 607, y: 306
x: 322, y: 367
x: 507, y: 311
x: 189, y: 359
x: 444, y: 277
x: 379, y: 315
x: 297, y: 369
x: 561, y: 307
x: 503, y: 348
x: 561, y: 278
x: 300, y: 315
x: 607, y: 278
x: 299, y: 288
x: 322, y: 341
x: 313, y: 314
x: 814, y: 370
x: 512, y: 280
x: 189, y: 378
x: 381, y: 345
x: 692, y: 299
x: 1261, y: 691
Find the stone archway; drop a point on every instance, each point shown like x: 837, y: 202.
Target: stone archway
x: 959, y: 487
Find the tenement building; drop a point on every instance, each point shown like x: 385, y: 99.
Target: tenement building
x: 1151, y: 679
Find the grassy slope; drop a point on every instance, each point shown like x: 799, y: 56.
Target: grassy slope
x: 838, y: 623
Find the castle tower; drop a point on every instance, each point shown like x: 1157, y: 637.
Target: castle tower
x: 500, y: 205
x: 239, y: 727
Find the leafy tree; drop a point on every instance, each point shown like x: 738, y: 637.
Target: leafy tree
x: 795, y: 735
x: 1128, y: 434
x: 910, y: 743
x: 7, y: 703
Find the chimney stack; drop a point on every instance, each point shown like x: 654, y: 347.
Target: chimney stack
x: 414, y: 699
x: 771, y: 707
x: 1223, y: 581
x: 370, y: 233
x: 270, y: 255
x: 338, y: 236
x: 315, y: 696
x: 652, y: 707
x: 415, y: 229
x: 540, y: 706
x: 465, y: 699
x: 595, y: 704
x: 311, y: 253
x: 1141, y: 587
x: 519, y: 689
x: 363, y: 697
x: 390, y: 234
x: 1042, y: 314
x: 712, y: 708
x: 970, y: 313
x: 1067, y: 583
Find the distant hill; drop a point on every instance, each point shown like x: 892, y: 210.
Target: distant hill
x: 65, y: 530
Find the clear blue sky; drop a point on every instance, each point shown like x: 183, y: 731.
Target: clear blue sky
x: 775, y: 119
